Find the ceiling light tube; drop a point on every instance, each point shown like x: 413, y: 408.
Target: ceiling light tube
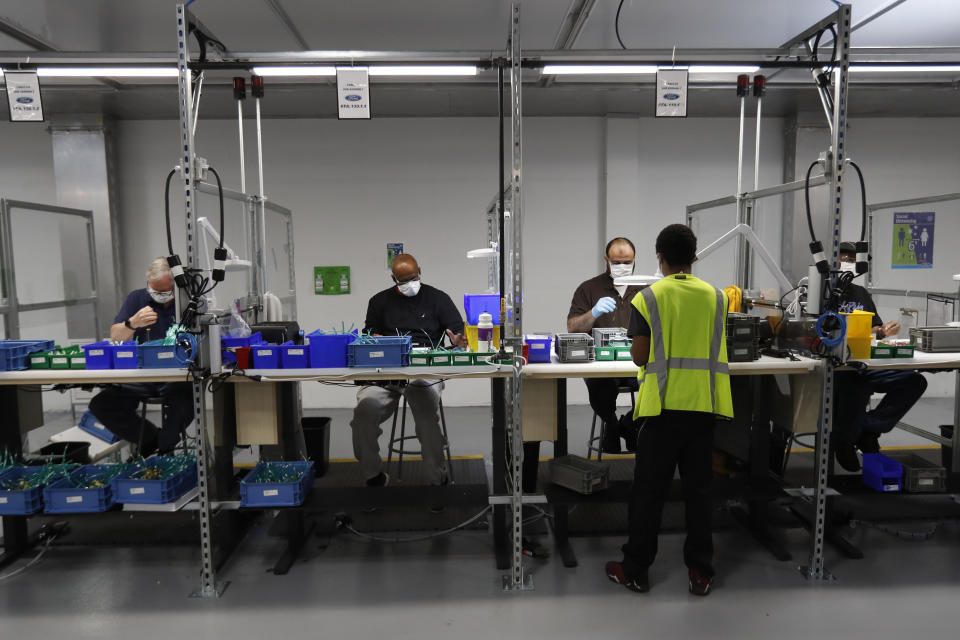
x: 597, y: 69
x: 110, y: 72
x: 414, y: 70
x: 866, y: 68
x: 709, y: 68
x: 304, y: 70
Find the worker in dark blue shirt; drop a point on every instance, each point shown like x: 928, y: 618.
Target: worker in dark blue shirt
x: 146, y: 315
x: 427, y: 315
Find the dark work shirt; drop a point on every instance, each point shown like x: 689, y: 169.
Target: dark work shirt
x: 425, y: 317
x: 857, y: 298
x: 638, y: 325
x: 138, y: 300
x: 590, y: 291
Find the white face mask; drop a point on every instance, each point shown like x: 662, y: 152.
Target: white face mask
x: 621, y: 270
x: 848, y: 266
x: 160, y: 297
x: 409, y: 289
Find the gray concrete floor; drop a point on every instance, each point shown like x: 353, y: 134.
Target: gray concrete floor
x: 451, y: 587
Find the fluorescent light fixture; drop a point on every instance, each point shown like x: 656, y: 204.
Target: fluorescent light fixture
x: 417, y: 70
x: 295, y: 71
x: 906, y: 68
x: 110, y: 72
x: 438, y: 70
x: 708, y: 68
x: 597, y: 69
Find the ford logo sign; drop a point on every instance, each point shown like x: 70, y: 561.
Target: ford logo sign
x: 353, y: 97
x: 25, y: 100
x: 671, y: 96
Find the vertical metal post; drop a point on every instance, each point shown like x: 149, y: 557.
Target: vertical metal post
x: 243, y: 166
x: 261, y: 213
x: 11, y: 324
x: 208, y: 582
x: 816, y: 570
x: 756, y: 150
x: 513, y: 329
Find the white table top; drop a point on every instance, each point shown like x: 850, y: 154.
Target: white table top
x: 622, y: 368
x: 92, y: 376
x: 376, y: 373
x: 920, y: 360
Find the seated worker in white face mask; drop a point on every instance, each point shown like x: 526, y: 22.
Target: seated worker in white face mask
x: 146, y: 315
x: 598, y: 303
x: 426, y: 314
x: 855, y: 427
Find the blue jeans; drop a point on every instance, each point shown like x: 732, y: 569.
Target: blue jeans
x: 902, y: 389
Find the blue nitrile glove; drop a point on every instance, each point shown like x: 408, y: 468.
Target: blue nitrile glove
x: 604, y: 305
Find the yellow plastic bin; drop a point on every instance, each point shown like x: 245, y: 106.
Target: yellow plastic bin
x: 859, y: 333
x: 471, y: 330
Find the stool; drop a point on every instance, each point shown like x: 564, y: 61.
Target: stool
x: 396, y: 444
x: 144, y: 402
x: 595, y: 442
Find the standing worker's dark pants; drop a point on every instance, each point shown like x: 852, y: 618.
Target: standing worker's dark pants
x: 902, y: 389
x: 673, y: 439
x: 117, y: 407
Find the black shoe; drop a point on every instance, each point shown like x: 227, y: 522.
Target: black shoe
x: 615, y: 573
x: 534, y: 549
x: 379, y: 480
x: 847, y: 456
x: 629, y: 431
x: 699, y: 584
x: 611, y: 438
x: 869, y: 443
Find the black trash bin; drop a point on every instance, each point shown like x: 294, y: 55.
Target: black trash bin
x: 316, y: 436
x: 77, y: 452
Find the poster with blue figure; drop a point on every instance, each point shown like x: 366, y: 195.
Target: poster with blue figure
x: 913, y: 240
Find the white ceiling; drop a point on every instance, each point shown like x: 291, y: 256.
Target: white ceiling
x: 419, y: 25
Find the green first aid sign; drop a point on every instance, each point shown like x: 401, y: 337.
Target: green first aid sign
x: 331, y: 281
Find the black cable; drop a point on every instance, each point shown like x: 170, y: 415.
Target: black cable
x: 806, y: 197
x: 220, y: 189
x: 863, y: 200
x: 166, y: 209
x: 616, y: 25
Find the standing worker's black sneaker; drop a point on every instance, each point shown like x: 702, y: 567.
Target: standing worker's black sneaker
x: 611, y: 438
x: 629, y: 431
x: 699, y: 584
x: 379, y: 480
x: 615, y: 573
x: 847, y: 456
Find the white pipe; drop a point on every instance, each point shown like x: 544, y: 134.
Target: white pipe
x: 743, y: 102
x: 243, y: 166
x: 756, y: 153
x: 754, y: 240
x: 263, y: 210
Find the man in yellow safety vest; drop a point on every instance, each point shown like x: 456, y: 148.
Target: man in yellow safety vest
x: 678, y: 333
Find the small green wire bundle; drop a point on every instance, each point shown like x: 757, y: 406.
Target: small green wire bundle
x: 163, y: 467
x: 276, y: 472
x: 43, y: 476
x: 97, y: 479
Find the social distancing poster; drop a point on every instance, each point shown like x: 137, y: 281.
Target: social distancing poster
x: 913, y: 240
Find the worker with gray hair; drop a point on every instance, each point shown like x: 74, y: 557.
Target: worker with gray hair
x: 146, y: 315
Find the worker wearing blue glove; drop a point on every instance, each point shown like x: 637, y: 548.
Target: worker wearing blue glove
x: 598, y: 303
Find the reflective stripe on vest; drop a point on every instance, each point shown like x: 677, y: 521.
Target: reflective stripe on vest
x: 661, y: 364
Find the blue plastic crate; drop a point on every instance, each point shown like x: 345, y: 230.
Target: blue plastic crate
x: 106, y: 355
x: 265, y: 356
x: 229, y: 342
x: 14, y: 353
x: 156, y: 355
x: 328, y: 350
x: 144, y: 491
x: 475, y: 304
x: 90, y: 424
x: 539, y: 348
x: 294, y: 356
x: 380, y: 351
x: 20, y: 502
x: 276, y: 494
x: 882, y: 473
x: 60, y: 497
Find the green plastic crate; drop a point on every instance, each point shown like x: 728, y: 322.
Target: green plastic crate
x: 605, y: 353
x: 904, y: 351
x: 78, y: 361
x: 883, y: 351
x: 59, y: 360
x: 622, y: 353
x: 441, y: 358
x: 464, y: 358
x: 482, y: 358
x: 420, y: 359
x: 39, y: 360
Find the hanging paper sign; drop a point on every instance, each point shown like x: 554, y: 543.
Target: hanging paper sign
x: 23, y: 96
x: 913, y: 240
x: 353, y: 94
x: 671, y: 93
